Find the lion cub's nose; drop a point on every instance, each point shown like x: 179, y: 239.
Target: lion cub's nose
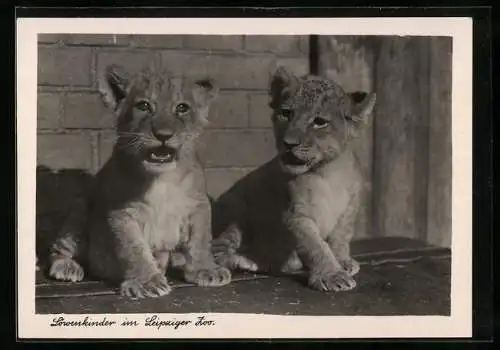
x: 163, y: 135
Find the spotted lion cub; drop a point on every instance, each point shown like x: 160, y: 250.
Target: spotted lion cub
x: 149, y: 199
x: 299, y: 208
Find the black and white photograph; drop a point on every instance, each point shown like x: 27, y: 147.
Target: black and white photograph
x: 178, y: 183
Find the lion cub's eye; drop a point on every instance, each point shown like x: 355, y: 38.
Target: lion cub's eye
x: 319, y: 123
x: 285, y: 114
x: 182, y: 108
x: 144, y: 106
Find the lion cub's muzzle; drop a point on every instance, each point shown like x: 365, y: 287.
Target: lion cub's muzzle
x: 164, y: 153
x: 295, y: 161
x: 290, y: 158
x: 292, y: 154
x: 161, y: 155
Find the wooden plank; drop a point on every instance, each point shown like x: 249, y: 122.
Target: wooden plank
x: 440, y: 146
x: 349, y: 60
x: 410, y: 287
x: 55, y: 289
x: 373, y: 251
x: 401, y: 121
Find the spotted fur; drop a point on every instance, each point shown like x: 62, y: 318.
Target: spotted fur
x: 299, y: 209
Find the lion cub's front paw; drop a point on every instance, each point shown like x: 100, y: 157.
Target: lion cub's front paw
x: 351, y: 266
x: 157, y: 286
x: 236, y: 262
x: 66, y: 270
x: 216, y: 277
x: 337, y: 281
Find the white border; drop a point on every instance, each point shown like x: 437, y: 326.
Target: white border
x: 459, y: 324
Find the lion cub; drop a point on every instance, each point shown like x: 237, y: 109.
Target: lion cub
x: 299, y: 208
x: 149, y: 199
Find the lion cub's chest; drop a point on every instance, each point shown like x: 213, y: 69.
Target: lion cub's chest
x: 326, y: 195
x: 167, y: 207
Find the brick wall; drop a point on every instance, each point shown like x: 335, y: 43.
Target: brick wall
x: 75, y: 130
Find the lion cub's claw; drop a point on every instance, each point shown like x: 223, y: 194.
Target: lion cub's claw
x: 157, y: 286
x: 337, y: 281
x: 351, y: 266
x: 66, y: 270
x: 216, y: 277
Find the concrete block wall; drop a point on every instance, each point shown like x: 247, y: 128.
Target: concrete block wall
x: 75, y: 130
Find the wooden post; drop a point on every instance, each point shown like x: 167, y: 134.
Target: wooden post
x: 349, y: 60
x: 440, y: 148
x: 400, y: 163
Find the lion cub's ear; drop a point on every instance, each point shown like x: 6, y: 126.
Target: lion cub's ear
x: 113, y: 85
x: 363, y: 105
x: 281, y: 82
x: 204, y: 92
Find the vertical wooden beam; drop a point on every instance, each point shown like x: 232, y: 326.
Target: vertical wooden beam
x: 440, y: 147
x: 349, y: 60
x: 313, y: 54
x: 400, y: 170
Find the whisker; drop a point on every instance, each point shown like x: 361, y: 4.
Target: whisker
x: 139, y: 147
x: 136, y: 135
x: 129, y: 133
x: 135, y: 146
x: 141, y: 138
x: 130, y: 144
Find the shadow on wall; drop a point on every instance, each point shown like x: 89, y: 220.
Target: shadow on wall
x: 55, y: 191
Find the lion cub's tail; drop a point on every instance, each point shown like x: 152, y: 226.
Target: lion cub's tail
x: 70, y: 244
x: 225, y: 250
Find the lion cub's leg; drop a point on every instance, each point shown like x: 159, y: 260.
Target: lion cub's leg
x: 63, y: 266
x: 341, y: 249
x: 143, y: 277
x: 325, y: 271
x: 200, y: 267
x: 162, y: 258
x: 70, y: 245
x: 340, y: 238
x: 225, y: 250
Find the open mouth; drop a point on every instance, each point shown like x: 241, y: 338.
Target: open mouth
x: 162, y: 155
x: 289, y: 158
